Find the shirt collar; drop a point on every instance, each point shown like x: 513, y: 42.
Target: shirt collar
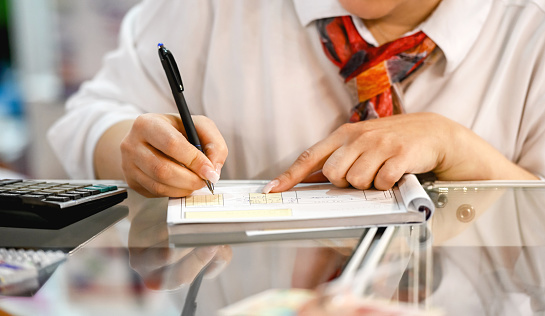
x: 454, y: 26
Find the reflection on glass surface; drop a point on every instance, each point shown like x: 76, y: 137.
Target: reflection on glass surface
x: 229, y: 272
x: 49, y: 247
x: 482, y: 253
x: 168, y: 268
x: 496, y: 261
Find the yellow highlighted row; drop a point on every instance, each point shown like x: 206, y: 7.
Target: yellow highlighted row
x: 260, y: 198
x: 238, y: 214
x: 204, y: 200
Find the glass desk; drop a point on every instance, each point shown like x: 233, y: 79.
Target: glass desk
x: 482, y: 253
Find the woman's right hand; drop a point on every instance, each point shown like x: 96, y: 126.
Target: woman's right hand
x: 158, y: 160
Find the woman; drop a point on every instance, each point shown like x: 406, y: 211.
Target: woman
x: 263, y: 77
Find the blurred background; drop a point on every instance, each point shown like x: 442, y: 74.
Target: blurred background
x: 47, y: 49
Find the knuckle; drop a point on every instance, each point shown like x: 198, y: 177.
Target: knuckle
x: 389, y: 176
x: 346, y: 128
x: 161, y: 171
x: 330, y: 170
x: 158, y: 189
x: 139, y: 121
x: 210, y: 146
x: 171, y: 144
x: 142, y: 120
x: 357, y: 180
x: 305, y: 157
x: 194, y: 160
x: 126, y: 146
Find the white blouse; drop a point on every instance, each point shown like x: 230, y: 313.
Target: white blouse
x: 257, y: 68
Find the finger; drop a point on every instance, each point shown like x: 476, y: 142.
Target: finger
x: 337, y: 165
x: 214, y: 145
x: 156, y: 189
x: 315, y: 177
x: 364, y: 169
x: 148, y: 260
x: 219, y: 262
x: 311, y: 160
x: 391, y: 171
x: 170, y: 141
x: 166, y: 171
x: 185, y: 271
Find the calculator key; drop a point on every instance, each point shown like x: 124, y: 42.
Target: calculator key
x: 20, y: 191
x: 32, y: 197
x: 82, y: 185
x: 92, y: 191
x: 42, y: 193
x: 10, y: 181
x: 10, y: 187
x: 102, y: 189
x: 45, y: 186
x: 56, y: 198
x: 9, y: 197
x: 71, y: 196
x: 96, y: 187
x: 29, y: 183
x: 81, y: 193
x: 75, y: 186
x: 106, y: 187
x: 54, y: 191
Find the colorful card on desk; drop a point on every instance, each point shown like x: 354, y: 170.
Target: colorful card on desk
x: 274, y: 302
x: 292, y: 302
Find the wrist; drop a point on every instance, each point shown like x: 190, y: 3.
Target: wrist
x: 469, y: 157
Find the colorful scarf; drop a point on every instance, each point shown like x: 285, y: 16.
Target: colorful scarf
x: 375, y: 69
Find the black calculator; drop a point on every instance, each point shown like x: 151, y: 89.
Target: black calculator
x: 53, y: 204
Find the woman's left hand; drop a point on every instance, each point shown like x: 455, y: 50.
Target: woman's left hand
x: 380, y: 151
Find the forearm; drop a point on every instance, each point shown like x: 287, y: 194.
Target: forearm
x: 107, y: 154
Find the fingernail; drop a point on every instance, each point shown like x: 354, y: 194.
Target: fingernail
x: 211, y: 175
x: 270, y: 186
x: 218, y: 168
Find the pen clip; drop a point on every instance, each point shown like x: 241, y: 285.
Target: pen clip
x: 166, y: 56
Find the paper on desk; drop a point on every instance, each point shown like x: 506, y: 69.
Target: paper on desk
x: 242, y: 201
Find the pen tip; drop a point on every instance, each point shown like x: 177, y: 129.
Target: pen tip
x: 160, y: 45
x: 210, y: 186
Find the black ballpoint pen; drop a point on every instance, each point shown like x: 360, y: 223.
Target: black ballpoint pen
x: 177, y: 87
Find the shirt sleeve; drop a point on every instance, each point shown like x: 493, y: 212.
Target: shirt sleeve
x: 532, y: 153
x: 131, y: 81
x: 531, y: 134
